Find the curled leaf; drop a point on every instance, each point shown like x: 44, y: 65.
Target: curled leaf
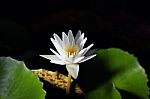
x: 55, y: 78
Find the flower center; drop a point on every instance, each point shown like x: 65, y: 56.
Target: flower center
x: 71, y: 51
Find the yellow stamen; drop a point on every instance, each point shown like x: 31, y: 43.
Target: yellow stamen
x: 72, y: 50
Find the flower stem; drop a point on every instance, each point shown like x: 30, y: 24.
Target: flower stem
x: 68, y: 84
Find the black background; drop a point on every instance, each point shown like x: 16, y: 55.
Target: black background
x: 27, y: 25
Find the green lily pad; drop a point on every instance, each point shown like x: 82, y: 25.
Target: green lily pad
x: 115, y: 74
x: 18, y: 82
x: 105, y: 91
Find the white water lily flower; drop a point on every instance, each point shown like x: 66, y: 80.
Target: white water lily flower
x: 70, y: 51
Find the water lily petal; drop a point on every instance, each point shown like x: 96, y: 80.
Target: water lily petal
x: 50, y: 57
x: 65, y: 40
x: 57, y: 39
x: 78, y: 35
x: 81, y: 52
x: 87, y: 58
x: 87, y: 49
x: 82, y: 43
x: 60, y: 57
x: 80, y: 39
x: 77, y: 60
x: 73, y: 70
x: 69, y: 60
x: 71, y: 37
x: 90, y: 52
x: 58, y: 47
x: 57, y: 62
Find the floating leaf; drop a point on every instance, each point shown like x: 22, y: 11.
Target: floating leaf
x: 115, y: 74
x: 18, y: 82
x: 106, y: 91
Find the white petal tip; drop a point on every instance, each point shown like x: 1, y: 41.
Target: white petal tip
x: 44, y: 56
x: 79, y: 31
x: 52, y: 39
x: 92, y: 44
x: 70, y: 30
x: 74, y: 77
x: 63, y: 32
x: 55, y: 34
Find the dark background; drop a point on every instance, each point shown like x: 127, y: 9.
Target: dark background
x: 27, y: 25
